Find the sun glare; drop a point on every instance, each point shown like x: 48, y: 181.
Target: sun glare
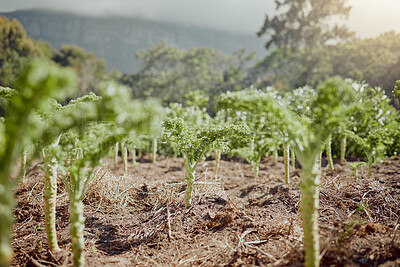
x: 371, y: 17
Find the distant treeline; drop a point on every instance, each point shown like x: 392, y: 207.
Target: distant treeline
x: 170, y: 73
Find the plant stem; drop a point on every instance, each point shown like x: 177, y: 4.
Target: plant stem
x: 293, y: 158
x: 275, y: 156
x: 125, y: 158
x: 80, y: 154
x: 286, y: 159
x: 320, y: 161
x: 133, y: 155
x: 329, y: 152
x: 256, y: 169
x: 190, y: 178
x: 116, y: 155
x: 23, y: 164
x: 309, y: 211
x: 154, y: 158
x: 343, y: 150
x: 252, y: 153
x: 6, y: 219
x: 76, y: 231
x: 217, y: 162
x: 50, y: 202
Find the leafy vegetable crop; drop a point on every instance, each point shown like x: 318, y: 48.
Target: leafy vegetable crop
x: 195, y: 142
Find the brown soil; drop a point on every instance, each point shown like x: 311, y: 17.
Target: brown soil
x: 140, y: 219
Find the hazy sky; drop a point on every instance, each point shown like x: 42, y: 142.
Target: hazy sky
x: 368, y: 17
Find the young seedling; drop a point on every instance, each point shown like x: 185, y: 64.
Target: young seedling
x: 372, y: 123
x: 193, y: 115
x: 219, y: 119
x: 20, y: 128
x: 194, y: 143
x: 78, y: 168
x: 77, y: 173
x: 327, y: 110
x: 354, y: 167
x: 244, y: 108
x: 50, y: 195
x: 350, y: 121
x: 131, y: 143
x: 306, y: 135
x: 79, y: 112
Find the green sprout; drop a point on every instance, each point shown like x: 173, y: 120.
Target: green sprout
x: 372, y: 123
x: 246, y: 107
x: 354, y: 167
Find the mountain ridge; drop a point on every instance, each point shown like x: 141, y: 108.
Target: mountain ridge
x: 116, y: 39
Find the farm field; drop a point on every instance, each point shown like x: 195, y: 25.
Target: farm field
x: 202, y: 158
x: 140, y: 219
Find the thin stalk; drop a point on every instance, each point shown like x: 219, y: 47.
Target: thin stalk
x: 111, y: 152
x: 309, y: 211
x: 23, y: 164
x: 80, y: 153
x: 76, y: 187
x: 256, y: 169
x: 320, y: 160
x: 76, y: 231
x: 217, y: 162
x: 286, y: 160
x: 190, y: 168
x: 293, y: 158
x: 275, y: 156
x: 116, y: 155
x: 50, y: 202
x: 125, y: 158
x: 252, y: 153
x: 329, y: 152
x: 343, y: 150
x: 154, y: 158
x: 6, y: 219
x: 133, y: 155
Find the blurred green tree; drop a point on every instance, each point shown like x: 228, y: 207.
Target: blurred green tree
x: 373, y: 60
x: 90, y: 70
x: 15, y: 49
x: 306, y: 23
x: 304, y: 26
x: 170, y: 73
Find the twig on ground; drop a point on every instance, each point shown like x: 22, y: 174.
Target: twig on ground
x: 54, y: 258
x: 36, y: 263
x: 24, y: 223
x: 261, y: 251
